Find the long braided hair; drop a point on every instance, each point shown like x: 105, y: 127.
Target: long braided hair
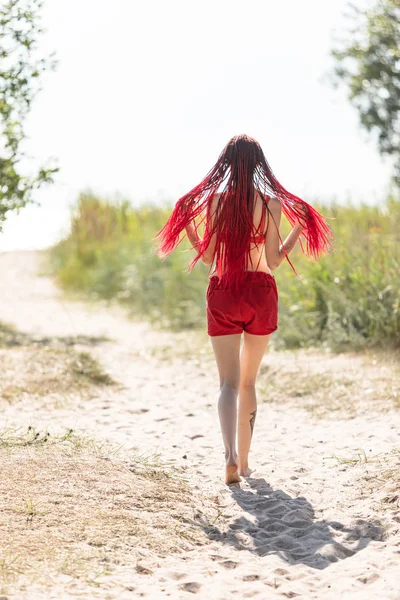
x: 240, y: 171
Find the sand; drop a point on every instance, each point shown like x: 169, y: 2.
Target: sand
x: 307, y: 523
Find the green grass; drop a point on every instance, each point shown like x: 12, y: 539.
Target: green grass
x: 347, y: 300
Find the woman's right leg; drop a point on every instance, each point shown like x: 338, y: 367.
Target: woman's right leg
x: 254, y: 347
x: 227, y: 353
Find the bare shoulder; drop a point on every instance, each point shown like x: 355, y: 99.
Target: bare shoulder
x: 275, y: 205
x: 272, y: 201
x: 214, y: 202
x: 213, y: 206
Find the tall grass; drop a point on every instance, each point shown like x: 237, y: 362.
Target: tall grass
x: 349, y: 299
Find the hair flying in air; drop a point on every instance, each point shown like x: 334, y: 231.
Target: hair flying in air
x: 240, y: 171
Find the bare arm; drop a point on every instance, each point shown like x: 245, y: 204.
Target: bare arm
x: 192, y: 236
x: 274, y: 250
x: 195, y: 240
x: 289, y: 242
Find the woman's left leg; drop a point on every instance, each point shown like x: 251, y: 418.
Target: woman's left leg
x: 227, y: 353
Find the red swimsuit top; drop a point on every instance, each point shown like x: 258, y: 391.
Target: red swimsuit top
x: 257, y: 239
x: 260, y: 238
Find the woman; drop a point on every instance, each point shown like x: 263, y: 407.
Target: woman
x: 236, y: 203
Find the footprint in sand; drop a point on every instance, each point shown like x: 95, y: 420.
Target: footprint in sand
x: 191, y: 586
x: 369, y: 578
x: 216, y: 557
x: 251, y: 577
x: 280, y: 571
x: 230, y: 564
x: 177, y: 576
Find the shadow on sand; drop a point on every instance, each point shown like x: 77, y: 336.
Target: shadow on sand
x: 285, y: 526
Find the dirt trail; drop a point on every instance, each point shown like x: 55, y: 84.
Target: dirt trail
x: 306, y: 525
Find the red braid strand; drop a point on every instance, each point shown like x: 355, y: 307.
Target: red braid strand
x: 241, y: 169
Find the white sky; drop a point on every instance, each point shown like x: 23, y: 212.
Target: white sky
x: 148, y: 92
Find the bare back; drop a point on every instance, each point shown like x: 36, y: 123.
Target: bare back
x: 260, y: 251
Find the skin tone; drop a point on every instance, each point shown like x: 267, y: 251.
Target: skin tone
x: 238, y: 367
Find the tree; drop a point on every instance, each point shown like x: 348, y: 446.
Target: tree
x: 21, y: 68
x: 369, y: 65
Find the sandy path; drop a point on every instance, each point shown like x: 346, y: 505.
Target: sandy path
x: 302, y: 527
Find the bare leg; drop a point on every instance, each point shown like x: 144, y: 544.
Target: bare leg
x: 227, y: 353
x: 253, y: 350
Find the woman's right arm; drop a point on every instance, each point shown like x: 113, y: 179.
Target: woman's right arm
x: 195, y: 240
x: 274, y: 252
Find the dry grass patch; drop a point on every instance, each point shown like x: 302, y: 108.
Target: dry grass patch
x: 49, y: 374
x: 71, y: 507
x: 53, y: 371
x: 10, y: 336
x: 383, y: 482
x: 328, y: 384
x: 377, y: 482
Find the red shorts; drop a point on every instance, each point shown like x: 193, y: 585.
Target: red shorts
x: 254, y: 308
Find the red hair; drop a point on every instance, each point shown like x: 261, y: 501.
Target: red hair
x: 242, y: 169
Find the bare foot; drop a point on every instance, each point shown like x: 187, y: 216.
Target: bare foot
x: 231, y: 473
